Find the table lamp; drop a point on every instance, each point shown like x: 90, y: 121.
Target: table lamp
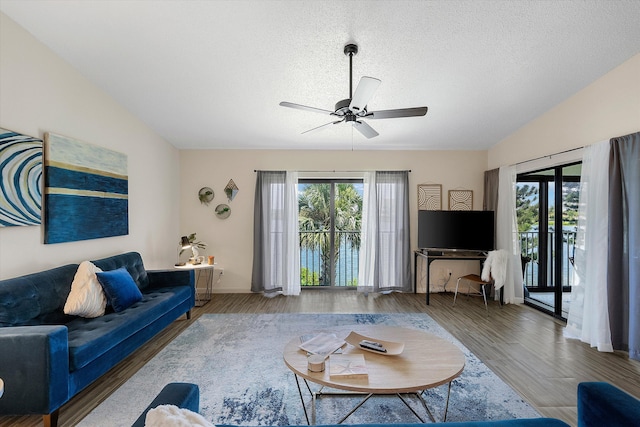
x: 184, y: 244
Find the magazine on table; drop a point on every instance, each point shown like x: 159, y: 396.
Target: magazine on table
x: 322, y: 343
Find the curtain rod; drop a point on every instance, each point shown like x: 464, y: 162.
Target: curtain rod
x: 335, y: 171
x: 549, y: 156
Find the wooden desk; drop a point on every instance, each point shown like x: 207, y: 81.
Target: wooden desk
x: 431, y: 256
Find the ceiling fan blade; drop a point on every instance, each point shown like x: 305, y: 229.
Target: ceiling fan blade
x: 304, y: 107
x: 402, y: 112
x: 365, y: 90
x: 365, y: 129
x: 321, y: 126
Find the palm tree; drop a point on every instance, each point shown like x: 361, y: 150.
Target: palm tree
x: 314, y: 206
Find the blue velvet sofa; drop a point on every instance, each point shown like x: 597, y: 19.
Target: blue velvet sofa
x: 599, y: 405
x: 47, y: 357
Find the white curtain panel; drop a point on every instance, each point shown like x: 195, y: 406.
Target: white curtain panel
x: 507, y: 235
x: 588, y: 318
x: 291, y: 238
x: 369, y: 233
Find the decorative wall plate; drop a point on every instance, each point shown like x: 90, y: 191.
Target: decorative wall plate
x: 206, y: 195
x: 223, y: 211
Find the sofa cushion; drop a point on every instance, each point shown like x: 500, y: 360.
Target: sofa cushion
x: 86, y: 298
x: 120, y: 289
x: 90, y: 338
x: 132, y: 261
x: 25, y: 298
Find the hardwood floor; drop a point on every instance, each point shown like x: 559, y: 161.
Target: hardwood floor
x: 522, y: 346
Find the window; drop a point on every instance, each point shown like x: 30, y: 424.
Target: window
x: 330, y: 217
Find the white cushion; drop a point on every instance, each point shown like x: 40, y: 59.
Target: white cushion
x: 172, y: 416
x: 86, y: 298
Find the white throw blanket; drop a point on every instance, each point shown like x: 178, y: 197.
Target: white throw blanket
x: 495, y: 267
x: 172, y: 416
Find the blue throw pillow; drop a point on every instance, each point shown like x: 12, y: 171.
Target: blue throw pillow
x: 120, y: 289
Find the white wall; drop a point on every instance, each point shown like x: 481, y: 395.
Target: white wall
x: 607, y: 108
x: 231, y: 240
x: 39, y: 92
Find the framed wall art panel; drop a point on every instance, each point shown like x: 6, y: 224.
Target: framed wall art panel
x: 20, y: 179
x: 429, y: 197
x: 460, y: 200
x: 86, y: 191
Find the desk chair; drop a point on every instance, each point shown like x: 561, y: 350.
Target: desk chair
x: 494, y: 273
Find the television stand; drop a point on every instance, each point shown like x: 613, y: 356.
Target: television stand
x: 441, y: 255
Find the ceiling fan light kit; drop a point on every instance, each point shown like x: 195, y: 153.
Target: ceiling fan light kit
x: 354, y: 108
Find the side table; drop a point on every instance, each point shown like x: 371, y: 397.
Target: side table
x: 204, y: 272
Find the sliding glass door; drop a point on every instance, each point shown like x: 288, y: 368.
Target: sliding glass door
x: 547, y: 206
x: 330, y: 216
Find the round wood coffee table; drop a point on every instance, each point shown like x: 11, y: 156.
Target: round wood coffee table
x: 427, y: 361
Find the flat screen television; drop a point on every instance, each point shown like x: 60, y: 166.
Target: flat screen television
x: 456, y: 230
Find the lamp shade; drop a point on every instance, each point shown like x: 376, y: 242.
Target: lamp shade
x: 184, y: 241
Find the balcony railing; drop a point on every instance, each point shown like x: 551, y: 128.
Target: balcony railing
x: 315, y: 259
x: 529, y: 247
x: 315, y: 262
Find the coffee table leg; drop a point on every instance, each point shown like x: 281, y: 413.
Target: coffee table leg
x: 413, y: 410
x: 313, y: 409
x: 355, y: 408
x: 304, y: 408
x: 446, y: 406
x: 425, y: 406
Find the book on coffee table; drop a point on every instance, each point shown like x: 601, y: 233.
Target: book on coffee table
x: 347, y: 366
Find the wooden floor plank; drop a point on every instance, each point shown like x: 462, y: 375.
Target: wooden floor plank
x: 522, y: 346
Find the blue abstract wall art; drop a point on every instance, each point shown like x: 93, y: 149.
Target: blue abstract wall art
x: 86, y: 191
x: 21, y: 179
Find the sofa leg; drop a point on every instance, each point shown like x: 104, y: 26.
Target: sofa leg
x: 51, y: 420
x: 189, y: 315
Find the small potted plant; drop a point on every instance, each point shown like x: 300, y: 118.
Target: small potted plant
x: 205, y: 195
x: 195, y: 244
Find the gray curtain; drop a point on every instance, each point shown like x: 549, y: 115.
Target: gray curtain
x: 385, y: 250
x: 623, y: 281
x: 490, y: 200
x: 262, y: 266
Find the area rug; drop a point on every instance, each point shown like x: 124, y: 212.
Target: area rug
x: 236, y: 359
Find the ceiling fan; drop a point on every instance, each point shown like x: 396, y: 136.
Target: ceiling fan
x: 354, y: 109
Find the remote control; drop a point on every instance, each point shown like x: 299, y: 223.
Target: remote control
x: 371, y: 345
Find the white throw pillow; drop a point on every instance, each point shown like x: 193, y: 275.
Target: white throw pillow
x: 172, y: 416
x: 86, y: 298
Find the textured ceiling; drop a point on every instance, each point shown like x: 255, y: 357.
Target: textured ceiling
x: 210, y: 74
